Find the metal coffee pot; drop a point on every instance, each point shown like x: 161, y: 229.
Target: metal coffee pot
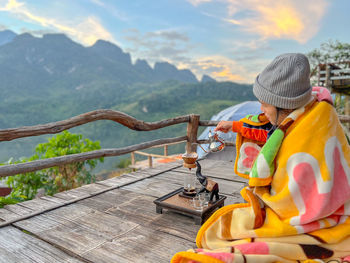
x: 216, y: 143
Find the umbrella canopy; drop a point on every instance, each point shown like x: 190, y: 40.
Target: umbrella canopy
x: 233, y: 113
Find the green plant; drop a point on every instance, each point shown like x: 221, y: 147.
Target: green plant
x: 124, y: 163
x: 54, y: 179
x: 330, y: 51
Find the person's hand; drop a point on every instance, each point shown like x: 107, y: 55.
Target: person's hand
x: 224, y: 126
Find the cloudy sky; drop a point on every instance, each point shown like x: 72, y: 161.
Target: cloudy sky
x: 226, y: 39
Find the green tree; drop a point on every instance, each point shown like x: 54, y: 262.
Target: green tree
x: 54, y: 179
x: 330, y: 51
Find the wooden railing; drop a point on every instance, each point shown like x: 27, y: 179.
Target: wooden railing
x: 120, y: 117
x: 334, y: 75
x: 55, y: 127
x: 150, y: 156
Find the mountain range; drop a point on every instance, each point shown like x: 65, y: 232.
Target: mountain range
x: 47, y: 60
x: 51, y: 78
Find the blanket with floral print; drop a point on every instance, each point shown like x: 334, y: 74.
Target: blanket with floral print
x: 298, y: 198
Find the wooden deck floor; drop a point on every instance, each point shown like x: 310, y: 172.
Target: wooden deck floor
x: 110, y: 221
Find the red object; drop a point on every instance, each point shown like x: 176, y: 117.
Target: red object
x: 4, y: 191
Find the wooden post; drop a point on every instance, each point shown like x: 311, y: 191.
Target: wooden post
x: 150, y: 161
x: 133, y: 158
x: 192, y: 129
x: 347, y: 108
x: 328, y: 77
x: 166, y: 150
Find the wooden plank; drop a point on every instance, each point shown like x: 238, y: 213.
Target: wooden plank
x: 105, y: 224
x: 38, y: 204
x: 12, y: 212
x: 54, y: 218
x: 17, y: 246
x: 173, y: 177
x: 70, y: 212
x: 336, y: 78
x: 139, y: 209
x: 79, y: 192
x: 118, y: 181
x: 53, y: 199
x: 40, y: 223
x: 158, y: 170
x: 175, y: 224
x: 109, y: 200
x: 93, y: 188
x: 139, y: 175
x: 66, y: 196
x: 6, y: 215
x: 163, y: 167
x: 80, y: 234
x: 72, y: 237
x: 152, y: 187
x: 18, y: 209
x: 140, y: 245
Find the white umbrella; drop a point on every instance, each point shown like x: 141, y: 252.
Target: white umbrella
x: 233, y: 113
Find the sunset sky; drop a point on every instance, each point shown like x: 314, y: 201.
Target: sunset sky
x: 226, y: 39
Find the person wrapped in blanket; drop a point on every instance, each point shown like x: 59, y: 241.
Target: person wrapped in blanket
x: 296, y: 158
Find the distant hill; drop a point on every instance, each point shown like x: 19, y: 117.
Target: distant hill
x: 34, y: 65
x: 53, y: 78
x: 207, y: 78
x: 6, y: 36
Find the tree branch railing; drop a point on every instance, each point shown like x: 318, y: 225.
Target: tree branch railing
x: 120, y: 117
x: 13, y: 169
x: 116, y: 116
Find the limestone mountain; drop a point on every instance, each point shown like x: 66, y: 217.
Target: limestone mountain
x: 51, y: 78
x: 6, y: 36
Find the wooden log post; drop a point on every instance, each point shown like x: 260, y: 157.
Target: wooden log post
x: 166, y: 150
x: 133, y: 162
x: 328, y: 77
x: 133, y: 158
x: 150, y: 164
x: 192, y: 129
x: 347, y: 109
x: 347, y: 105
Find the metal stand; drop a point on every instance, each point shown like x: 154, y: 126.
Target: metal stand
x: 174, y: 202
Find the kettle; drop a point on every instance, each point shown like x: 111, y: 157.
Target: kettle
x: 216, y: 143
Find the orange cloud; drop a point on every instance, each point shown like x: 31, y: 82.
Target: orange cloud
x: 226, y: 74
x: 275, y: 19
x: 220, y: 68
x: 278, y: 22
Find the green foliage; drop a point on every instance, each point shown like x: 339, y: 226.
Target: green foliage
x: 330, y: 51
x: 124, y: 163
x: 55, y: 179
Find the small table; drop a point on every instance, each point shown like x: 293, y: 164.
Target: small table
x: 174, y: 202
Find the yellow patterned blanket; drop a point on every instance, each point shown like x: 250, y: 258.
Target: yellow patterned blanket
x: 298, y: 199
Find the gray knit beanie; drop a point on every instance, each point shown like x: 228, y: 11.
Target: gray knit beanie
x: 285, y: 82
